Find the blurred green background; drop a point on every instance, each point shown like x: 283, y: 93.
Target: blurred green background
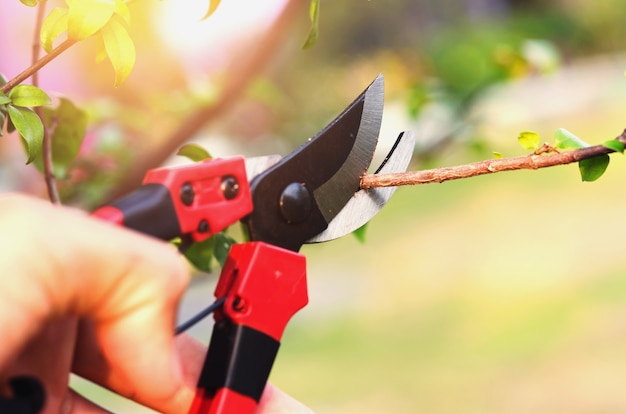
x: 503, y: 293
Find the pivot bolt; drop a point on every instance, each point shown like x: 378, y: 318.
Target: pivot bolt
x: 295, y: 203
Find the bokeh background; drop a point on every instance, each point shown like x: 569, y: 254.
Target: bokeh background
x: 503, y: 293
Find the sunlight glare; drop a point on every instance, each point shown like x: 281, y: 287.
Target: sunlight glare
x: 207, y: 44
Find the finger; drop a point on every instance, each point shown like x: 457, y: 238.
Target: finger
x: 90, y: 363
x: 47, y: 357
x: 128, y: 284
x: 275, y: 401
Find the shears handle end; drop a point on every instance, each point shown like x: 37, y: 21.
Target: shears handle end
x: 264, y: 287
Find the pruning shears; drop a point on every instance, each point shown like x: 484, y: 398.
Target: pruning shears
x: 311, y: 195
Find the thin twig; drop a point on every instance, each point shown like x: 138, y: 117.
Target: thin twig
x: 40, y: 63
x: 528, y: 162
x: 48, y: 130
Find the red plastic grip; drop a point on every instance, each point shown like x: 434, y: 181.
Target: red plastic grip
x: 208, y: 196
x: 264, y: 285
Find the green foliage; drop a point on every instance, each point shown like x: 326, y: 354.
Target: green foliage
x: 31, y: 3
x: 30, y: 128
x: 360, y: 233
x: 615, y: 145
x: 529, y: 140
x: 69, y: 125
x: 203, y: 254
x: 86, y: 18
x: 17, y: 106
x: 194, y: 152
x: 28, y: 95
x: 314, y: 14
x: 593, y: 168
x: 563, y: 139
x: 590, y: 169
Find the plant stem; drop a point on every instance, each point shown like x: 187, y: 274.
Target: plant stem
x: 40, y: 63
x: 528, y: 162
x: 48, y: 130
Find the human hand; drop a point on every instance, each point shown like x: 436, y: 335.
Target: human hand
x: 82, y: 296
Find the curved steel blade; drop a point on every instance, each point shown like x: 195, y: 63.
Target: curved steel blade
x: 367, y: 203
x: 296, y: 199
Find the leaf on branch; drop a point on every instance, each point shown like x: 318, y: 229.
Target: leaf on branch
x: 52, y: 27
x: 86, y: 17
x: 30, y: 129
x: 2, y: 120
x: 200, y: 254
x: 213, y: 5
x: 360, y: 233
x: 223, y: 242
x: 563, y: 139
x: 497, y: 155
x: 591, y: 169
x: 314, y: 14
x: 30, y: 3
x: 4, y: 99
x: 70, y: 126
x: 615, y: 145
x: 194, y: 152
x: 28, y: 95
x: 119, y: 47
x: 529, y: 140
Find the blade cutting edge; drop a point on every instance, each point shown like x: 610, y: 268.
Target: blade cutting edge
x: 367, y: 203
x: 334, y: 193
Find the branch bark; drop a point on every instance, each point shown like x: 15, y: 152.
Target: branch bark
x: 36, y: 66
x: 528, y: 162
x: 48, y: 169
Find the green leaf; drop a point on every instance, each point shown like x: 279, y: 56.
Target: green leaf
x: 86, y: 17
x: 120, y: 48
x: 70, y: 126
x: 29, y: 3
x: 563, y: 139
x: 3, y: 80
x: 4, y: 99
x: 194, y: 152
x: 497, y: 155
x: 222, y: 247
x: 213, y: 5
x: 360, y: 233
x: 200, y: 254
x: 28, y: 95
x: 314, y: 14
x: 55, y: 23
x: 615, y: 145
x: 591, y: 169
x: 2, y: 119
x: 30, y: 128
x: 529, y: 140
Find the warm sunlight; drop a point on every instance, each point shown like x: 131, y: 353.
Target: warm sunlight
x: 207, y: 44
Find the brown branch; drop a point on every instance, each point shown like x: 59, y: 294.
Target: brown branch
x: 48, y: 130
x: 528, y: 162
x: 36, y: 66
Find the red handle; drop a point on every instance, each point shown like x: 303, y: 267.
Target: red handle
x: 264, y: 286
x: 195, y: 200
